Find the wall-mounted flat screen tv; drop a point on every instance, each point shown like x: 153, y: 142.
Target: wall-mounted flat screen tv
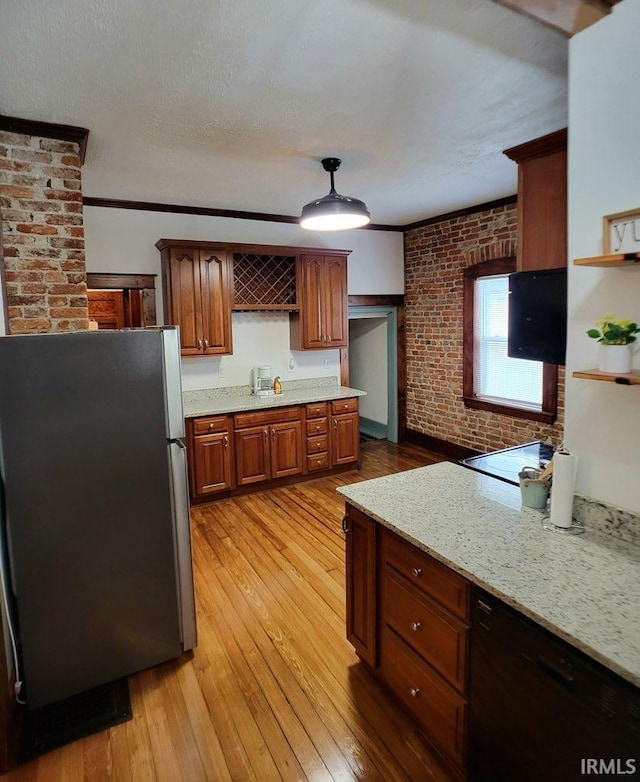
x: 538, y: 315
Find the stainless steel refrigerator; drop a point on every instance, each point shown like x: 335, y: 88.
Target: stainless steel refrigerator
x: 94, y: 504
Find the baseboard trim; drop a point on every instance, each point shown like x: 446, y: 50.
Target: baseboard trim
x: 373, y: 428
x: 444, y: 447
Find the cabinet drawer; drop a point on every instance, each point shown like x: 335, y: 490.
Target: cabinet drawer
x: 317, y: 410
x: 316, y: 426
x: 210, y: 424
x: 427, y: 574
x: 430, y: 630
x: 344, y: 406
x: 439, y: 708
x: 275, y: 415
x: 318, y: 461
x: 317, y: 444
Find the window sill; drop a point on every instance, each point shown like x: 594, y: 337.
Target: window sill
x: 543, y: 416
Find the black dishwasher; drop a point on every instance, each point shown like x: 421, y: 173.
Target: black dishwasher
x: 541, y: 710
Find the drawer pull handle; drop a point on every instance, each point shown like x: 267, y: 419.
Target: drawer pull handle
x: 345, y: 524
x: 415, y: 691
x: 225, y: 440
x: 415, y: 626
x: 206, y: 344
x: 199, y: 344
x: 416, y: 572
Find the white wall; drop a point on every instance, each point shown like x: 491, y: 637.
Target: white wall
x: 603, y: 419
x: 122, y: 240
x: 368, y: 366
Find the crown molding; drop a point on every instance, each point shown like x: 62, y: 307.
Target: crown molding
x: 30, y: 127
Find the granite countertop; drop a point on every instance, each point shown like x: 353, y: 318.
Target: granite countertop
x: 235, y: 399
x: 584, y: 588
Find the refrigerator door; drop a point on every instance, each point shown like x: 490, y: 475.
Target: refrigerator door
x: 88, y: 507
x: 184, y: 566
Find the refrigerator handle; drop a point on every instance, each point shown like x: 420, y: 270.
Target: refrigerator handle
x: 182, y: 538
x: 4, y: 595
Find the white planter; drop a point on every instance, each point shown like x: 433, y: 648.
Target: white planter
x: 615, y: 359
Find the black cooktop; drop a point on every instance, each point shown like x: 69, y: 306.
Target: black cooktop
x: 506, y: 464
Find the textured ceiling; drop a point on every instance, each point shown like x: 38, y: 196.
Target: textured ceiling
x: 231, y: 103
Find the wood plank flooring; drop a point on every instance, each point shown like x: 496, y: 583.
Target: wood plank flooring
x: 273, y: 690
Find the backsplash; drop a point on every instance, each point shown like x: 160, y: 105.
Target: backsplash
x: 617, y: 522
x: 202, y: 394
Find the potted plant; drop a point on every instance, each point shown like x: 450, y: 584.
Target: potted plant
x: 615, y: 337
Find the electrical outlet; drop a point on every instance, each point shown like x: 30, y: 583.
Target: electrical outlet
x: 327, y: 363
x: 292, y: 365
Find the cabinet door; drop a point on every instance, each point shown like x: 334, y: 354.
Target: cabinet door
x: 334, y: 290
x: 312, y: 315
x: 252, y: 455
x: 360, y: 533
x: 186, y: 301
x: 212, y: 463
x: 345, y: 439
x: 287, y: 455
x: 215, y: 283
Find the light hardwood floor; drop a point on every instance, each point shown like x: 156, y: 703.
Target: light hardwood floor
x: 273, y: 690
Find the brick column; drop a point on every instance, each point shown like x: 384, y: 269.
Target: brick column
x: 42, y: 234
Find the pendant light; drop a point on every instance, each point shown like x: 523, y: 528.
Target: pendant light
x: 334, y: 212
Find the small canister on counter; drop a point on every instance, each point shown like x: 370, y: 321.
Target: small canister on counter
x: 534, y: 492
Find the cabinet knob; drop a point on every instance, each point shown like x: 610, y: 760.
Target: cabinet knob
x: 273, y: 434
x: 416, y: 572
x: 265, y: 434
x: 415, y: 626
x: 199, y: 344
x: 210, y: 426
x: 415, y: 691
x: 317, y: 428
x: 206, y: 344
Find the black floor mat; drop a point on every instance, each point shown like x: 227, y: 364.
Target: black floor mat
x: 59, y: 723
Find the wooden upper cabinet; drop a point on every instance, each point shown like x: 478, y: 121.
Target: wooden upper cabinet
x: 311, y: 299
x: 197, y: 286
x: 216, y: 286
x: 321, y: 321
x: 542, y: 201
x: 335, y: 302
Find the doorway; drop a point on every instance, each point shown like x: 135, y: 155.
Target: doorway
x: 373, y: 367
x: 118, y: 301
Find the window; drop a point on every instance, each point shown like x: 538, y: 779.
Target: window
x: 492, y: 380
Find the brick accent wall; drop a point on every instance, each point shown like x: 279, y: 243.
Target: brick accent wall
x: 435, y: 257
x: 42, y: 234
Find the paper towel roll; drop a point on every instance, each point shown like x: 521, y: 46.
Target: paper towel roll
x: 562, y: 488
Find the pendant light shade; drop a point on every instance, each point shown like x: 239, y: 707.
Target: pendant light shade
x: 334, y: 212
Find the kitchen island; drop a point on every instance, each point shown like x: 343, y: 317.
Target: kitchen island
x: 238, y: 441
x: 428, y: 549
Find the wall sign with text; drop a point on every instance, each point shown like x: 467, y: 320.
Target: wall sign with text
x: 621, y: 232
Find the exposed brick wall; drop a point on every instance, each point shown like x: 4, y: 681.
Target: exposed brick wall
x: 435, y: 257
x: 42, y: 234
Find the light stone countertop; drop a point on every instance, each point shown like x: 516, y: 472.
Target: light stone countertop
x: 584, y: 588
x: 212, y: 402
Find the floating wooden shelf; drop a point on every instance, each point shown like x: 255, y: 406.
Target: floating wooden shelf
x: 606, y: 261
x: 632, y: 379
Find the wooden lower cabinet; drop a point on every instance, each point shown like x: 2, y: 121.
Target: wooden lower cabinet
x: 211, y: 452
x: 408, y: 618
x: 253, y: 463
x: 360, y: 533
x: 244, y: 450
x: 345, y: 432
